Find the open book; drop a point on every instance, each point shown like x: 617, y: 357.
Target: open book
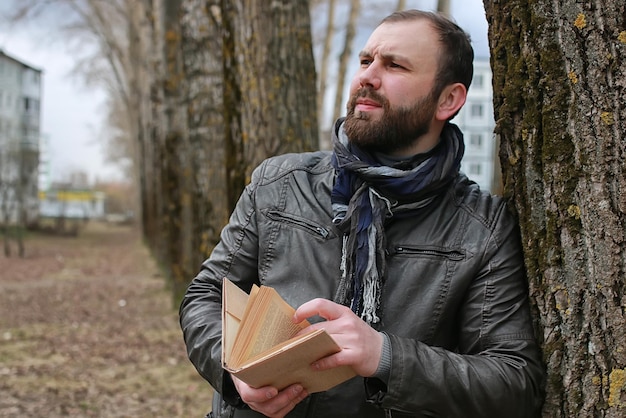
x: 259, y: 345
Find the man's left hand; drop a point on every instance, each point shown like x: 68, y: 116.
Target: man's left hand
x: 361, y: 344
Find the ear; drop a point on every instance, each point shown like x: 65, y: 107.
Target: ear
x: 451, y: 99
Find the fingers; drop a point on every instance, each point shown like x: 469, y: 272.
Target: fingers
x: 329, y: 362
x: 292, y: 396
x: 268, y: 400
x: 249, y: 394
x: 325, y: 308
x: 361, y: 345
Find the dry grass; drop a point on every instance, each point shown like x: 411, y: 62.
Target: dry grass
x: 88, y: 329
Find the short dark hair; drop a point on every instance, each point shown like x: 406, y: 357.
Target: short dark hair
x: 456, y: 62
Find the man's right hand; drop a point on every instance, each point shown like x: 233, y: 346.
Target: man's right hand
x: 268, y: 400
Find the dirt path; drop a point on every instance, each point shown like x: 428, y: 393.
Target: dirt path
x: 88, y: 329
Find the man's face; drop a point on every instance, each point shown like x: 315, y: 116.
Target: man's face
x: 392, y: 104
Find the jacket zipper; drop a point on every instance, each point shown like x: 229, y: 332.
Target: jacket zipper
x: 299, y: 222
x: 454, y: 255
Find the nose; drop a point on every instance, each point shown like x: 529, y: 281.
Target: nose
x: 370, y: 76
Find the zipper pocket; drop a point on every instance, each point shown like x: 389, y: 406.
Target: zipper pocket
x: 407, y: 250
x: 299, y: 222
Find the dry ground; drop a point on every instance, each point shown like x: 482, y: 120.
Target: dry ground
x: 88, y: 329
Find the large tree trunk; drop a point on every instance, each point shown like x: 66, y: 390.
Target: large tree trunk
x: 275, y: 78
x: 560, y: 102
x: 175, y: 182
x: 205, y: 167
x: 237, y: 85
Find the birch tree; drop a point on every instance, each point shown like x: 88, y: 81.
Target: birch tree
x: 324, y: 61
x: 443, y: 6
x: 401, y: 5
x: 345, y: 56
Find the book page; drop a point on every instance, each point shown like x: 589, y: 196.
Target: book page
x: 275, y: 326
x: 266, y: 323
x: 233, y: 308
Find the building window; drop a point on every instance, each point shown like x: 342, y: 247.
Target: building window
x: 476, y: 140
x: 475, y: 169
x: 476, y: 111
x: 478, y: 81
x: 31, y: 105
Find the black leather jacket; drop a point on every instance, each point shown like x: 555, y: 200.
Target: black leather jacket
x: 454, y: 302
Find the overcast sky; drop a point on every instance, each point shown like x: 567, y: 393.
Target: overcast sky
x: 72, y: 113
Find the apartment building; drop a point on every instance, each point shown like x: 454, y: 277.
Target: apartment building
x: 477, y: 122
x: 20, y: 130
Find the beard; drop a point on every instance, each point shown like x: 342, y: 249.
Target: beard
x: 397, y: 129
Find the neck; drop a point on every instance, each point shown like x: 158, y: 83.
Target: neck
x: 422, y: 144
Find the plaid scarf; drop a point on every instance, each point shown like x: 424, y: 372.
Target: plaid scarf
x: 367, y: 193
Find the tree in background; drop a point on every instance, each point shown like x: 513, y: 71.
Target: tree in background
x: 261, y: 68
x: 199, y: 100
x: 344, y: 57
x: 559, y: 96
x: 11, y: 198
x: 323, y: 81
x: 443, y: 6
x: 222, y: 98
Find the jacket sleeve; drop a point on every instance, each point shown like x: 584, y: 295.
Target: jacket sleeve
x: 497, y: 370
x: 235, y: 257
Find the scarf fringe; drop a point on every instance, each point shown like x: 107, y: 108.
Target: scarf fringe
x: 371, y: 281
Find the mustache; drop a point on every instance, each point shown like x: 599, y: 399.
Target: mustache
x: 367, y: 93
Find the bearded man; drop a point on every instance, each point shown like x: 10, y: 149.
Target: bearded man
x: 417, y: 274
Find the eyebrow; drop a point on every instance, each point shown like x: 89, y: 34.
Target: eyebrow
x: 385, y: 57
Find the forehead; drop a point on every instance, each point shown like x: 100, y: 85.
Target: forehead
x: 415, y: 41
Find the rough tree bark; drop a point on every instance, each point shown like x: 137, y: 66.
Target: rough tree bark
x: 237, y: 85
x: 275, y: 78
x: 560, y: 101
x: 174, y: 147
x: 205, y: 167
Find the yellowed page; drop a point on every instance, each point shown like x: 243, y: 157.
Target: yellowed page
x: 266, y: 323
x: 233, y: 308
